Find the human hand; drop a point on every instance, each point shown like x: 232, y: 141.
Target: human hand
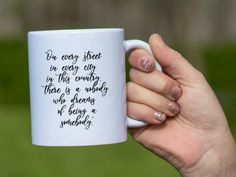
x: 192, y: 134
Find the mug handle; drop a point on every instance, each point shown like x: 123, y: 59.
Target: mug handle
x: 130, y: 45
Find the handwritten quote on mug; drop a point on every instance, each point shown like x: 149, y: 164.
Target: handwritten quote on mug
x: 73, y: 85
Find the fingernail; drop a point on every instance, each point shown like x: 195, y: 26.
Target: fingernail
x: 174, y: 108
x: 146, y: 63
x: 159, y: 116
x: 160, y: 38
x: 176, y: 92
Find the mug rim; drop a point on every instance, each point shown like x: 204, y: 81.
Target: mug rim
x: 75, y: 31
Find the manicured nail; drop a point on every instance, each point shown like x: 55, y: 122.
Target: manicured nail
x: 146, y: 63
x: 174, y: 108
x: 176, y: 92
x: 159, y: 116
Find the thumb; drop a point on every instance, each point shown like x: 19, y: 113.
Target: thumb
x: 172, y: 62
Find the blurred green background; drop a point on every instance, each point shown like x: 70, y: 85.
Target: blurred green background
x: 203, y: 30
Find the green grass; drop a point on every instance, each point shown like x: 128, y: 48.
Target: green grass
x: 19, y: 158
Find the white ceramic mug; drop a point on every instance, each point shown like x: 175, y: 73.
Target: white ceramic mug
x: 77, y: 86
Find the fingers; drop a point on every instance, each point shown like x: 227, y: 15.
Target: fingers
x: 141, y: 95
x: 171, y: 61
x: 157, y: 82
x: 152, y: 94
x: 142, y: 60
x: 144, y: 113
x: 152, y: 78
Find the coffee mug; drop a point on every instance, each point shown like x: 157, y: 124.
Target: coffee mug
x: 77, y: 86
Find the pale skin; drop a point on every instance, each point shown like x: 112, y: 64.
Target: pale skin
x: 186, y: 124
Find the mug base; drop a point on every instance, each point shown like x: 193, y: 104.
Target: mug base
x: 77, y: 144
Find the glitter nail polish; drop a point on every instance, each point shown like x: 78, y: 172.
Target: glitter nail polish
x: 159, y: 116
x: 146, y: 63
x: 174, y: 108
x: 176, y: 92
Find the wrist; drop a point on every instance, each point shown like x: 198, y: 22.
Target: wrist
x: 218, y: 161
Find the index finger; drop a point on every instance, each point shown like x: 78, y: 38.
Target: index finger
x: 142, y: 60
